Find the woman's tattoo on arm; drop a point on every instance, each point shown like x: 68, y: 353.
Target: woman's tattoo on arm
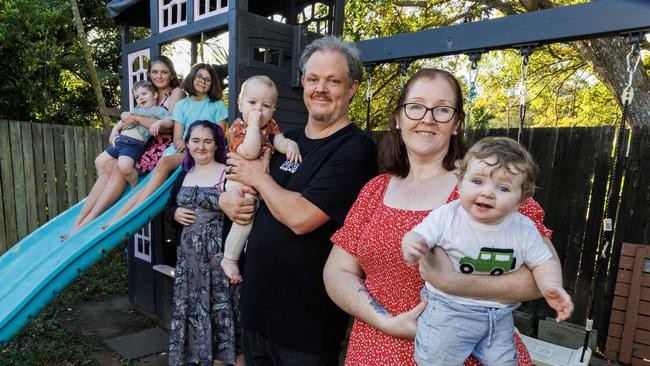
x: 373, y: 302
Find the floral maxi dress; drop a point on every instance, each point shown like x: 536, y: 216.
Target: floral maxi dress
x: 204, y: 308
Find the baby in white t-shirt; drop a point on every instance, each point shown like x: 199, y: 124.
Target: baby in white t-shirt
x: 483, y: 233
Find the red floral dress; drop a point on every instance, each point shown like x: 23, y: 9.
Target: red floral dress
x: 372, y: 233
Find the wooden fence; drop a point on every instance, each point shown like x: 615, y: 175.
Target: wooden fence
x: 44, y: 170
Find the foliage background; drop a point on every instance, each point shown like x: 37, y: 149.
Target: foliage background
x: 45, y: 79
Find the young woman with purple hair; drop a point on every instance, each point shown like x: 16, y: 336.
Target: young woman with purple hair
x: 203, y: 327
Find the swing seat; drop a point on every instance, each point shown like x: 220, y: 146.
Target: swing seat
x: 548, y: 354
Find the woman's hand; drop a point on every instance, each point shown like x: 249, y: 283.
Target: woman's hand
x: 236, y: 206
x: 179, y: 144
x: 155, y: 128
x: 245, y: 171
x: 184, y: 216
x: 403, y: 325
x: 128, y: 119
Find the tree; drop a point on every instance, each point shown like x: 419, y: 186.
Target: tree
x: 46, y: 78
x: 567, y: 85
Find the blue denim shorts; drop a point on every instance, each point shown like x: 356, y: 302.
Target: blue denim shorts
x: 448, y: 332
x: 126, y: 146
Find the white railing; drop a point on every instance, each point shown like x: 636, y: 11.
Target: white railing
x: 171, y: 14
x: 207, y: 8
x: 138, y: 62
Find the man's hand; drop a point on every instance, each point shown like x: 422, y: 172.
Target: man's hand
x: 239, y: 208
x: 247, y: 172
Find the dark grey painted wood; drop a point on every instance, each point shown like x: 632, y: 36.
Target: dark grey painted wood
x: 562, y: 24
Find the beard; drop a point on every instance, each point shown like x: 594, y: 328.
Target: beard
x: 321, y: 117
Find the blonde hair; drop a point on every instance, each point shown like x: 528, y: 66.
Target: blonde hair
x: 509, y: 154
x: 262, y: 79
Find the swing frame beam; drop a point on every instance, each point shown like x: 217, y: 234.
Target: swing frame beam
x: 556, y: 25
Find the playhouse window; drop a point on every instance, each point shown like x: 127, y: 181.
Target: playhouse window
x: 317, y: 17
x: 142, y: 243
x: 138, y: 62
x: 278, y: 18
x: 172, y: 14
x: 207, y: 8
x: 267, y: 55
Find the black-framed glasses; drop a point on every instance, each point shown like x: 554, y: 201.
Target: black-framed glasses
x: 203, y: 80
x: 417, y: 111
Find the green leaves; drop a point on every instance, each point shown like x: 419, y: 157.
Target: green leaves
x: 44, y: 76
x: 562, y: 89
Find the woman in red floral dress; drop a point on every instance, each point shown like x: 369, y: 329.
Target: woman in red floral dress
x: 366, y: 275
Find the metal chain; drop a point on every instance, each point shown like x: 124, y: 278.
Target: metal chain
x: 369, y: 70
x: 473, y: 73
x: 523, y: 90
x: 606, y: 234
x: 403, y: 68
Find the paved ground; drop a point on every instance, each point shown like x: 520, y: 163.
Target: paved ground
x: 107, y: 318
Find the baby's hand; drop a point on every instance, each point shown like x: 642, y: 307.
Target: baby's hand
x: 180, y: 145
x: 114, y: 134
x: 254, y: 119
x: 560, y: 301
x: 414, y: 247
x: 293, y: 152
x: 155, y: 127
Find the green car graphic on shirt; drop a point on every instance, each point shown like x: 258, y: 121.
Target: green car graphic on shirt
x: 494, y: 261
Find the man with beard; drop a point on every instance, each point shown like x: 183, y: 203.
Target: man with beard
x: 286, y: 316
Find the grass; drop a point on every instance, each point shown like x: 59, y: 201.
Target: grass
x: 45, y: 341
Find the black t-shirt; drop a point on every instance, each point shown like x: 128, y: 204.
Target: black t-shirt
x: 283, y: 295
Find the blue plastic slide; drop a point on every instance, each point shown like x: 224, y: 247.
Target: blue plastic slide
x: 40, y: 266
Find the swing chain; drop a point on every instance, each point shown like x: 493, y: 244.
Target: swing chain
x: 403, y: 68
x: 473, y: 74
x: 628, y: 92
x: 369, y: 70
x: 525, y: 52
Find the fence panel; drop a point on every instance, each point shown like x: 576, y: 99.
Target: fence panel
x: 45, y: 171
x: 70, y: 169
x: 49, y: 141
x: 80, y: 153
x: 58, y: 134
x: 30, y: 178
x: 39, y: 172
x: 20, y: 195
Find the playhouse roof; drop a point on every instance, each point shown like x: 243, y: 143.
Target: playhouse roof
x: 135, y: 11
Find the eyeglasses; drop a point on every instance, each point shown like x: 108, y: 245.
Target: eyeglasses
x: 202, y: 79
x: 417, y: 111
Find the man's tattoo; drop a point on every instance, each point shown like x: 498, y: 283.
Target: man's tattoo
x: 373, y: 302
